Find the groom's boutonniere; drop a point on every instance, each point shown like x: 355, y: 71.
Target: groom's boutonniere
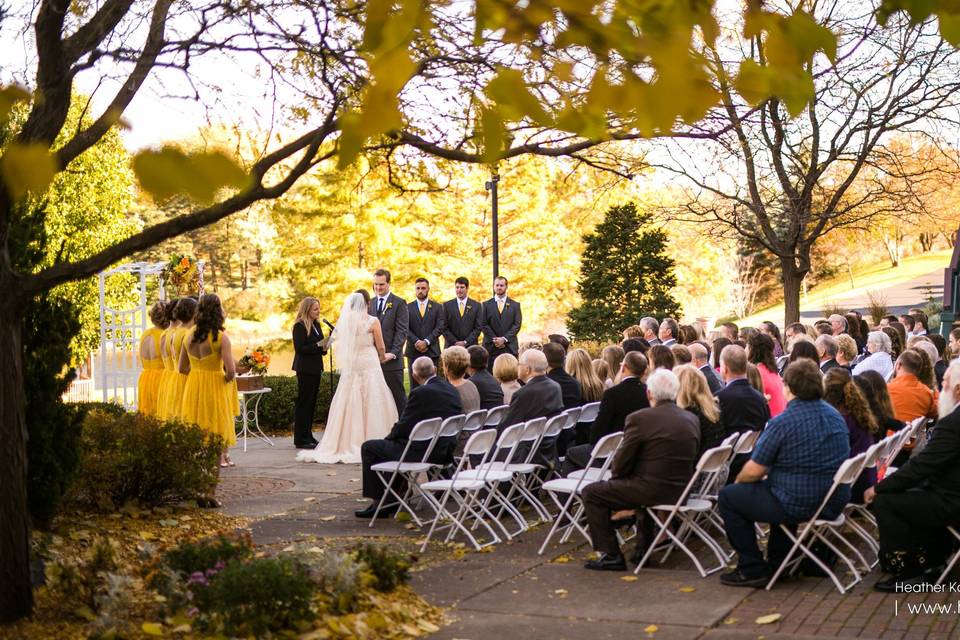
x: 467, y: 308
x: 389, y: 304
x: 506, y: 304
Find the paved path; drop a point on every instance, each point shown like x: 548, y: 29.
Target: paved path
x: 899, y: 297
x: 513, y: 593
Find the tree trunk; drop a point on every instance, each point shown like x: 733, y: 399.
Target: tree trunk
x: 792, y: 282
x: 926, y: 241
x: 16, y: 594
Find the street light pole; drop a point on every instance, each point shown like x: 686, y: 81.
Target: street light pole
x: 491, y: 186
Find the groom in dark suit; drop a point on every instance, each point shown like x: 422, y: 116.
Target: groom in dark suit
x: 433, y: 398
x: 463, y: 318
x: 391, y: 311
x: 501, y: 322
x: 426, y: 327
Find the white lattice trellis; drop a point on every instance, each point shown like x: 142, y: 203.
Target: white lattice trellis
x: 120, y: 332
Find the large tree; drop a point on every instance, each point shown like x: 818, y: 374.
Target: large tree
x: 476, y: 82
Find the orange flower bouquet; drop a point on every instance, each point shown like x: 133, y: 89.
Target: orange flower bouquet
x: 255, y: 362
x: 181, y: 274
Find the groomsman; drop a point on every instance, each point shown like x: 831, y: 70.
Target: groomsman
x: 501, y: 322
x: 391, y: 311
x: 463, y: 317
x: 426, y: 327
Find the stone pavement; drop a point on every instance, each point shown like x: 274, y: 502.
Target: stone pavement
x: 511, y: 592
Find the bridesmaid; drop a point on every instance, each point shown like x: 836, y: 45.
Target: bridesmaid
x: 309, y: 347
x: 183, y: 313
x: 148, y: 385
x: 210, y: 397
x: 169, y: 366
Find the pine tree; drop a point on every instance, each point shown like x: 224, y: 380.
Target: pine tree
x: 625, y: 274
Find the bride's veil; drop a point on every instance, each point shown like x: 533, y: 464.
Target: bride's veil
x: 350, y: 326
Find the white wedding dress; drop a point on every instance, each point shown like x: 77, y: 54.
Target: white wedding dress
x: 362, y: 408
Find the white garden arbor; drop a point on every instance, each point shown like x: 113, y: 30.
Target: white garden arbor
x: 121, y: 330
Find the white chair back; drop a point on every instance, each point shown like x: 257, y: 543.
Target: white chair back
x: 746, y: 442
x: 573, y: 417
x: 731, y: 440
x: 479, y: 444
x: 589, y: 412
x: 873, y: 455
x: 495, y: 415
x: 451, y: 426
x: 712, y: 460
x: 474, y: 420
x: 554, y: 426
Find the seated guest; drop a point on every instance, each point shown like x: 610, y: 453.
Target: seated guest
x: 898, y: 338
x: 847, y: 351
x: 838, y: 323
x: 827, y: 347
x: 617, y: 403
x: 844, y: 396
x: 661, y: 357
x: 696, y: 398
x: 914, y: 505
x: 669, y: 332
x: 718, y: 346
x: 650, y: 328
x: 920, y: 322
x: 455, y: 362
x: 635, y: 344
x: 506, y: 374
x: 681, y: 353
x: 613, y: 354
x: 602, y: 369
x: 730, y: 331
x: 770, y: 329
x: 741, y: 406
x: 584, y: 372
x: 954, y: 345
x: 701, y: 361
x: 688, y: 334
x: 433, y: 398
x: 652, y: 466
x: 940, y: 365
x: 874, y: 390
x: 793, y: 330
x: 910, y: 397
x: 560, y: 340
x: 789, y: 472
x: 569, y: 386
x: 925, y: 345
x: 756, y: 381
x: 746, y: 333
x: 633, y: 331
x: 823, y: 327
x: 760, y: 353
x: 804, y: 347
x: 909, y: 323
x: 879, y: 360
x: 491, y: 394
x: 540, y: 397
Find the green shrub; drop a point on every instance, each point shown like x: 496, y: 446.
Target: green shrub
x: 339, y: 575
x: 253, y: 598
x: 209, y: 553
x: 389, y: 569
x: 139, y: 458
x: 276, y: 408
x: 111, y: 408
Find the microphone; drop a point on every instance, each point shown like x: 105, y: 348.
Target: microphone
x: 327, y: 322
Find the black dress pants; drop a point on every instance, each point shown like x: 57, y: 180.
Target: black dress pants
x: 600, y: 501
x: 376, y: 451
x: 913, y: 530
x: 394, y: 380
x: 308, y: 386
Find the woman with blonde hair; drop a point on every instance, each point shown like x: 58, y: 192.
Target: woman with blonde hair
x: 505, y: 371
x: 696, y: 398
x: 309, y: 347
x: 613, y: 355
x: 602, y: 369
x: 455, y: 361
x: 580, y: 367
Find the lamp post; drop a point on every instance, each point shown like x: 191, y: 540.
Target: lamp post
x: 491, y: 186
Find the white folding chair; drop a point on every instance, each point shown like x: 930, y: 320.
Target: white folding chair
x: 573, y: 487
x: 588, y: 414
x: 449, y: 433
x: 870, y: 460
x: 903, y: 437
x: 953, y: 559
x: 493, y: 472
x: 464, y: 490
x: 495, y: 415
x: 746, y: 442
x: 817, y: 528
x: 686, y: 511
x: 424, y: 431
x: 525, y: 480
x: 474, y: 421
x: 570, y: 427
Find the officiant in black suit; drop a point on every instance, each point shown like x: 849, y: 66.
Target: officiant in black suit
x: 463, y: 317
x: 501, y: 322
x: 434, y: 397
x: 391, y: 311
x: 426, y: 324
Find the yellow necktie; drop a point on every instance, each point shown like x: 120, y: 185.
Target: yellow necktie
x: 422, y: 308
x: 461, y: 309
x: 500, y: 306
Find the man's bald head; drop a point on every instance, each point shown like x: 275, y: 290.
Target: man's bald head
x: 535, y: 361
x: 699, y: 353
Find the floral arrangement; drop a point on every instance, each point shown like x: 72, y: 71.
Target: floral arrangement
x: 255, y: 362
x: 181, y: 271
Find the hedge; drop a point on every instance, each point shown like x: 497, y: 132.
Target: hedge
x: 276, y: 407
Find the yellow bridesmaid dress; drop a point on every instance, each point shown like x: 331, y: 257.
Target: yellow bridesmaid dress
x: 148, y: 385
x: 208, y: 400
x: 166, y: 381
x: 179, y: 380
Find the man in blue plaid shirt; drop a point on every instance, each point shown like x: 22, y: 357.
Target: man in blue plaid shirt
x: 788, y: 475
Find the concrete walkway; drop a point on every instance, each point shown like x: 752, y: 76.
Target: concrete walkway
x: 511, y: 592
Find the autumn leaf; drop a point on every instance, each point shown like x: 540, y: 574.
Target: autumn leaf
x: 687, y: 589
x: 327, y: 518
x: 768, y: 619
x: 9, y: 96
x: 27, y: 168
x: 629, y: 578
x: 651, y: 628
x: 152, y: 628
x: 170, y: 171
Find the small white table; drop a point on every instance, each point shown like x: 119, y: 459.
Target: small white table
x: 249, y: 404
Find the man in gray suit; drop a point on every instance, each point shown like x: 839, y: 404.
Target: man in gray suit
x: 391, y: 311
x: 462, y: 317
x: 540, y: 397
x: 426, y: 325
x: 501, y: 322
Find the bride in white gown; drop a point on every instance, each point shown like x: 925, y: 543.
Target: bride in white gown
x: 363, y: 407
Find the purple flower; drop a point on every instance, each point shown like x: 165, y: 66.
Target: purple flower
x: 197, y: 577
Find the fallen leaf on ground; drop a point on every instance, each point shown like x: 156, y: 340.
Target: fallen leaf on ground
x: 327, y: 518
x: 562, y: 559
x: 561, y: 592
x: 331, y: 473
x: 651, y: 628
x: 354, y: 479
x: 169, y: 523
x: 310, y: 499
x: 152, y: 628
x: 629, y: 578
x: 687, y: 589
x: 403, y: 516
x: 146, y: 535
x: 730, y: 621
x: 768, y: 619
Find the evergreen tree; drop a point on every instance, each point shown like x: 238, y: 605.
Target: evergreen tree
x: 625, y: 274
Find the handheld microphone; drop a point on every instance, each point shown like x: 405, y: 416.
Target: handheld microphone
x: 327, y: 322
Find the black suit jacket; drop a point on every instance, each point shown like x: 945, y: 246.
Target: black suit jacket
x: 491, y: 393
x: 658, y: 454
x: 429, y: 327
x: 829, y: 364
x: 466, y: 329
x: 435, y: 399
x: 936, y: 468
x: 502, y: 325
x: 742, y: 407
x: 393, y: 322
x: 540, y: 397
x: 569, y: 387
x: 713, y: 380
x: 307, y: 355
x: 618, y: 402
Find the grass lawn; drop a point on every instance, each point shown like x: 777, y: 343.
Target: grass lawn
x: 871, y: 278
